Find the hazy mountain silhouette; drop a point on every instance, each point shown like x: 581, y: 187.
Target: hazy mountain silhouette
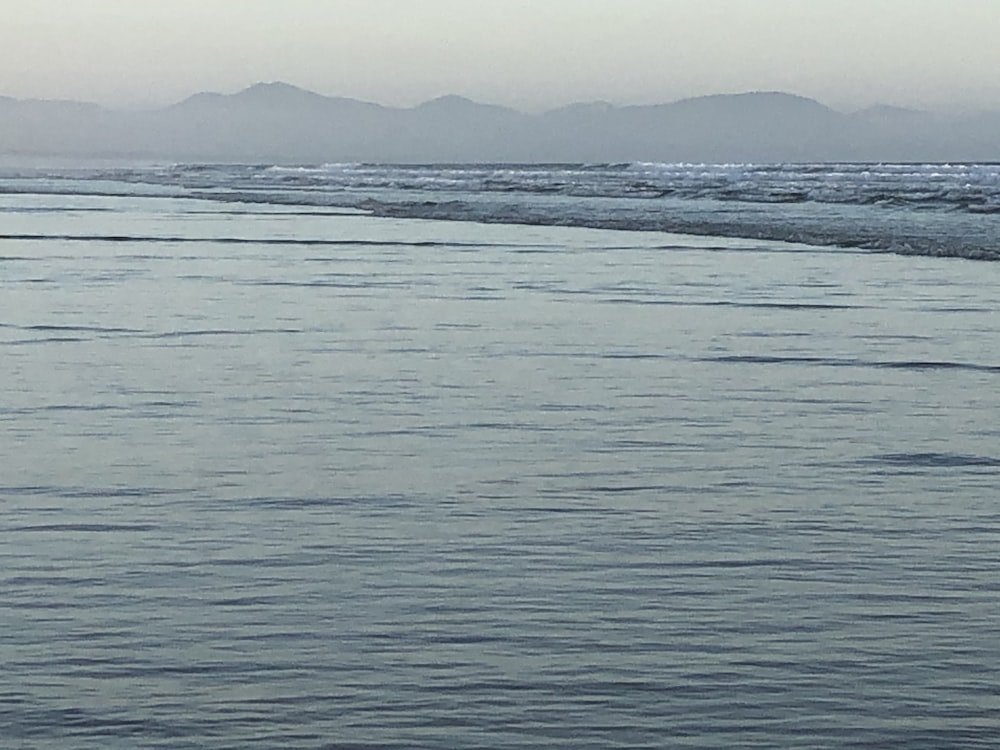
x: 283, y: 123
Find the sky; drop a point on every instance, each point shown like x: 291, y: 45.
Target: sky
x: 529, y: 54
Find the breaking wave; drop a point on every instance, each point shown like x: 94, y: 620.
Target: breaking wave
x: 946, y: 210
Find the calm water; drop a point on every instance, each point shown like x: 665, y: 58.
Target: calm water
x: 277, y: 478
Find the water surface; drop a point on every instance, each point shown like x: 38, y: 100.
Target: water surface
x: 286, y: 478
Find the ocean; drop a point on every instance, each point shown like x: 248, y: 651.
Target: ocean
x: 500, y: 456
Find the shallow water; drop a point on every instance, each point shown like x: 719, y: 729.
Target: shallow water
x: 284, y: 480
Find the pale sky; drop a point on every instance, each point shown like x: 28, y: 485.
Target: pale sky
x: 529, y: 54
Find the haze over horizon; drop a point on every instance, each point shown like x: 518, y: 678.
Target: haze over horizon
x: 532, y: 56
x: 270, y: 87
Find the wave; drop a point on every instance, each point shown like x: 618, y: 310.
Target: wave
x: 961, y: 187
x: 936, y: 460
x: 917, y: 365
x: 308, y: 242
x: 966, y: 237
x: 943, y: 210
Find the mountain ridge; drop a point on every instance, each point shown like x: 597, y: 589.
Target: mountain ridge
x: 282, y: 122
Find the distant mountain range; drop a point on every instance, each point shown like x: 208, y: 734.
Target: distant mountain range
x: 280, y: 123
